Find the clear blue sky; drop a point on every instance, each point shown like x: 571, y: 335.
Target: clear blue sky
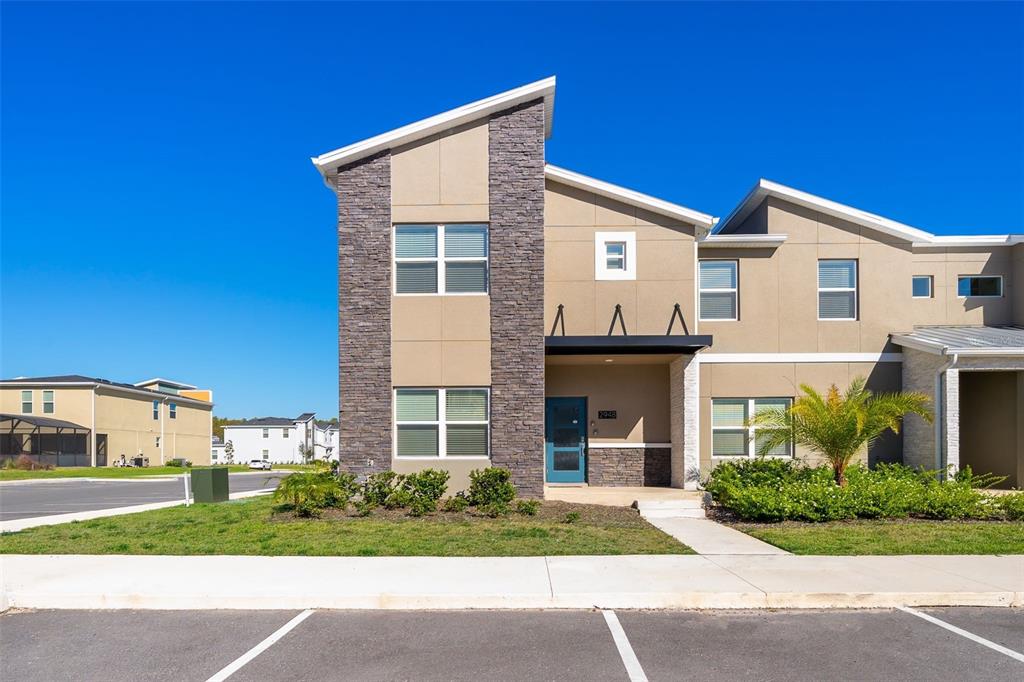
x: 161, y: 217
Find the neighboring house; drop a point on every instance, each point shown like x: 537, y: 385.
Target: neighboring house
x: 498, y: 310
x: 279, y: 440
x: 326, y: 445
x: 75, y: 420
x: 218, y: 454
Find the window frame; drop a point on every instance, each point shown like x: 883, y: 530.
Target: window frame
x: 30, y: 402
x: 931, y: 285
x: 172, y: 410
x: 284, y: 432
x: 855, y: 289
x: 442, y: 423
x: 266, y: 433
x: 601, y: 270
x: 52, y: 402
x: 441, y: 260
x: 1002, y: 290
x: 735, y: 291
x: 750, y: 443
x: 156, y: 410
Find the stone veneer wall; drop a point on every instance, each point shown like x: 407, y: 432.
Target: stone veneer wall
x: 684, y: 402
x: 629, y: 466
x: 516, y: 195
x: 364, y: 314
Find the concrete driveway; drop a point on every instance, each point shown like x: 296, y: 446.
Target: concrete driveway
x: 65, y: 496
x: 512, y: 645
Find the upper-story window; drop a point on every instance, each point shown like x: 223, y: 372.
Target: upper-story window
x: 47, y: 402
x: 173, y: 411
x: 719, y: 289
x: 26, y: 402
x: 156, y: 409
x: 979, y: 286
x: 837, y: 289
x: 266, y: 433
x: 615, y: 255
x: 441, y: 259
x: 284, y: 433
x: 921, y: 286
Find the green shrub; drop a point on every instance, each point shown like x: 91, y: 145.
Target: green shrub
x: 378, y: 487
x: 968, y: 477
x: 425, y: 489
x: 398, y: 498
x: 955, y: 500
x: 491, y: 486
x: 571, y: 517
x: 496, y: 509
x: 1012, y: 506
x: 527, y: 507
x: 457, y: 503
x: 309, y: 493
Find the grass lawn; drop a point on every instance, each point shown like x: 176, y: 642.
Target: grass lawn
x: 251, y: 527
x: 906, y: 536
x: 98, y: 472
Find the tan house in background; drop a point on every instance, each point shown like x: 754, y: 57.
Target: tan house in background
x: 495, y: 309
x: 81, y: 421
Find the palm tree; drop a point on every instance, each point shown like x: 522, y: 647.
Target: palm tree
x: 837, y: 425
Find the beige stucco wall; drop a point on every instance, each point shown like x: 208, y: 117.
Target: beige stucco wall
x: 638, y: 393
x: 442, y: 178
x: 946, y: 308
x: 782, y: 380
x: 990, y: 412
x: 664, y: 265
x: 1017, y: 258
x: 441, y: 340
x: 69, y: 404
x: 457, y: 468
x: 131, y: 430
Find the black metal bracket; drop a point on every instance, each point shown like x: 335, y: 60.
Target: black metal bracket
x: 677, y: 312
x: 622, y: 322
x: 559, y: 320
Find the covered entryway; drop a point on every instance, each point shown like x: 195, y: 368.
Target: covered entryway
x: 616, y: 410
x: 976, y: 378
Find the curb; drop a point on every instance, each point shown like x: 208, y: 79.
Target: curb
x: 16, y: 525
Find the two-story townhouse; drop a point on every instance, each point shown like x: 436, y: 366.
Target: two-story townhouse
x: 494, y: 309
x: 279, y: 440
x: 74, y: 420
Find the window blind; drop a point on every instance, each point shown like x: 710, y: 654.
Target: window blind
x: 717, y: 275
x: 417, y: 441
x: 837, y: 305
x: 416, y: 241
x: 718, y: 306
x: 465, y: 241
x: 729, y: 413
x: 837, y: 274
x: 413, y: 405
x: 467, y: 440
x: 416, y: 278
x: 466, y: 406
x: 460, y: 278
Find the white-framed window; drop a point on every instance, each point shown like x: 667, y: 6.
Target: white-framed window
x: 731, y: 436
x: 442, y: 422
x: 26, y: 402
x: 213, y: 455
x: 47, y: 402
x: 173, y: 410
x: 266, y: 454
x: 719, y: 290
x: 921, y: 286
x: 284, y: 433
x: 837, y: 289
x: 156, y: 409
x: 266, y: 433
x: 979, y: 286
x: 615, y: 255
x: 447, y: 259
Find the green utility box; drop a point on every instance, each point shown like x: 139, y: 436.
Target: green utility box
x: 210, y: 485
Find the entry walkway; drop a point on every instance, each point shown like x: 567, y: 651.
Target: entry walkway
x: 708, y: 537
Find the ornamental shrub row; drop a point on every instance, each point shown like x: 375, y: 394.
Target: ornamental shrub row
x: 771, y: 490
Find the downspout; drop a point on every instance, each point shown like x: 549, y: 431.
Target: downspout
x: 92, y: 437
x: 940, y: 413
x: 163, y: 404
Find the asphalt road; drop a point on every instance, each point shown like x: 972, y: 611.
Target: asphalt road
x: 510, y: 645
x: 25, y: 500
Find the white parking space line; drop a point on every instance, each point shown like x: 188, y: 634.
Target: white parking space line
x: 1016, y: 655
x: 252, y: 653
x: 629, y: 659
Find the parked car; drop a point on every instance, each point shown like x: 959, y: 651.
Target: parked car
x: 259, y: 464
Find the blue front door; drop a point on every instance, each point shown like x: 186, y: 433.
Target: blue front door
x: 565, y: 440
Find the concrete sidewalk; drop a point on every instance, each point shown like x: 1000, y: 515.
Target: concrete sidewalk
x: 704, y: 536
x: 616, y: 582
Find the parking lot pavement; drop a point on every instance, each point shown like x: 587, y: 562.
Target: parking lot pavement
x: 67, y: 496
x: 508, y: 645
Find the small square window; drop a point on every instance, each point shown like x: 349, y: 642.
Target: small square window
x: 615, y: 255
x: 922, y: 286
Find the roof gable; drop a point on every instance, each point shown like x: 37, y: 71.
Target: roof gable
x: 328, y: 163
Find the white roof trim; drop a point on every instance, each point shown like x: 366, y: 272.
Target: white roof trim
x: 328, y: 163
x: 742, y: 241
x: 943, y: 241
x: 919, y: 238
x: 937, y: 348
x: 610, y: 191
x: 166, y: 382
